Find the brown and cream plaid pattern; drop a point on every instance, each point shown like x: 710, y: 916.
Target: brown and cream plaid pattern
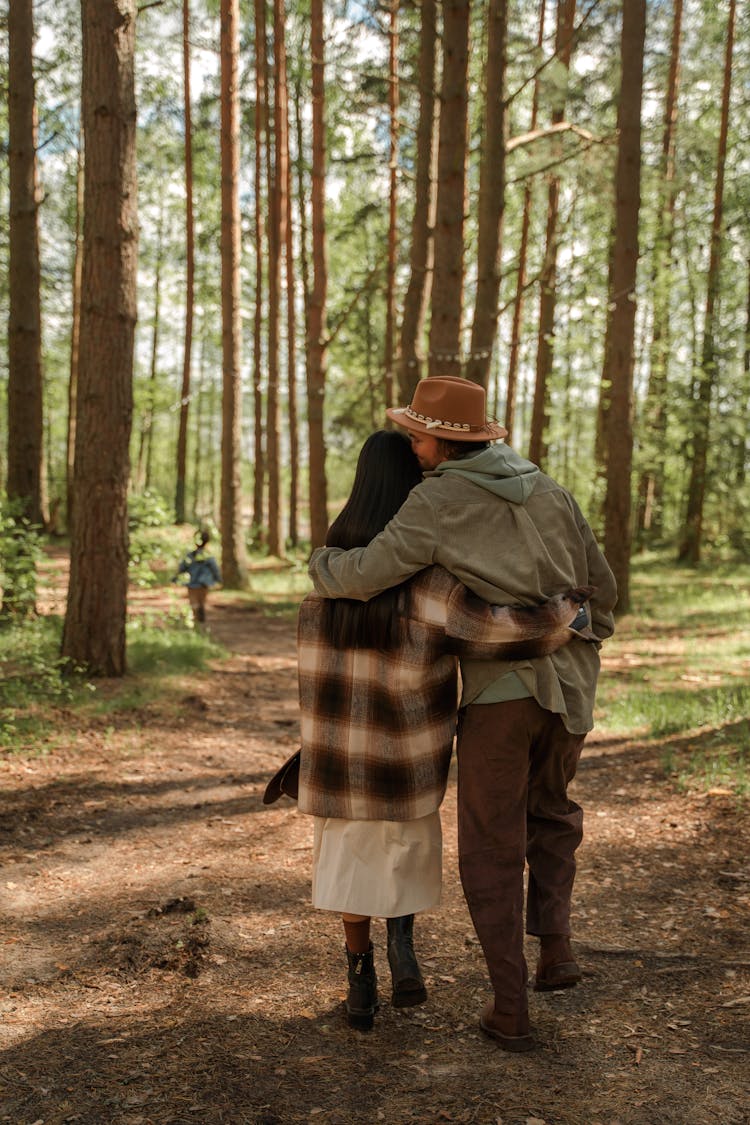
x: 377, y: 727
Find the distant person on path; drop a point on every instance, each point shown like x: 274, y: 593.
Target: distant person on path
x: 202, y: 570
x: 378, y: 701
x: 511, y: 534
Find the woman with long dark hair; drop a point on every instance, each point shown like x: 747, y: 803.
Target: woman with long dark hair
x: 378, y: 701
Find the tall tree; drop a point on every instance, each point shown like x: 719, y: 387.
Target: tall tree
x: 277, y: 237
x: 515, y: 332
x: 234, y: 570
x: 692, y: 532
x: 448, y: 277
x: 545, y: 342
x: 75, y: 333
x: 317, y: 341
x: 390, y: 286
x: 261, y: 139
x: 617, y: 379
x: 291, y: 347
x: 491, y: 197
x: 25, y: 482
x: 421, y: 250
x: 153, y: 375
x: 304, y: 272
x: 94, y: 632
x: 179, y: 503
x: 654, y: 432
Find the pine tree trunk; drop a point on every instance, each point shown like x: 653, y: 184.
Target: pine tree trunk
x: 390, y: 288
x: 421, y: 251
x: 741, y: 460
x: 233, y: 548
x: 277, y: 238
x: 261, y: 139
x: 317, y: 336
x: 548, y: 296
x: 653, y: 438
x: 94, y: 633
x: 291, y: 332
x: 491, y: 198
x: 75, y: 337
x: 153, y: 379
x: 692, y: 532
x: 618, y: 348
x: 515, y: 332
x: 448, y: 276
x: 179, y: 504
x: 25, y: 481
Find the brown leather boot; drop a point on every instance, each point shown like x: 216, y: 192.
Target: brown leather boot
x: 556, y: 967
x: 510, y: 1031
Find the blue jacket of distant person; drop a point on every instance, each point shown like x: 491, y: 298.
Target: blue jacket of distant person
x: 201, y: 569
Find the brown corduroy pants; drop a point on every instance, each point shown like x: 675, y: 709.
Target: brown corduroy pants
x: 515, y: 761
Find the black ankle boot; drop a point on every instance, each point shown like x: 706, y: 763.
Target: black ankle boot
x: 362, y: 998
x: 408, y: 985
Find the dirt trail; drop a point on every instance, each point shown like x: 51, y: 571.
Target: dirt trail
x: 161, y: 962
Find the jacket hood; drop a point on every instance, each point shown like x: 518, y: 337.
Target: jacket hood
x: 498, y: 469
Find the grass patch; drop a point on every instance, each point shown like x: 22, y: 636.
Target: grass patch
x: 678, y: 668
x: 34, y: 688
x: 160, y: 644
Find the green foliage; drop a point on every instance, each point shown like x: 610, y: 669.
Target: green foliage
x: 35, y: 684
x: 20, y: 551
x: 30, y: 665
x: 151, y: 544
x: 32, y: 681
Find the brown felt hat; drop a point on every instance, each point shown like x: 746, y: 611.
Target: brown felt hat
x: 448, y: 408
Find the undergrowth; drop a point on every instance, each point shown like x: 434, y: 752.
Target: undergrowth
x: 41, y: 701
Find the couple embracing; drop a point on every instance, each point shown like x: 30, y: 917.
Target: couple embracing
x: 451, y: 548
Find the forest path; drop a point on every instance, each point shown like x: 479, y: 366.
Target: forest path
x: 161, y: 962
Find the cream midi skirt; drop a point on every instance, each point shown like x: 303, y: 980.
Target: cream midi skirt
x: 382, y: 868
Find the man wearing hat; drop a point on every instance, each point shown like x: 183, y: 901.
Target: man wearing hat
x: 511, y: 534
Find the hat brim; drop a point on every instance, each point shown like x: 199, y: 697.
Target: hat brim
x: 490, y: 431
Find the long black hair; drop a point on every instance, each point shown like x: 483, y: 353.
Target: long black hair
x: 387, y: 470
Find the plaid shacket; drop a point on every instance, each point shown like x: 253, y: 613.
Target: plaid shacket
x: 377, y: 727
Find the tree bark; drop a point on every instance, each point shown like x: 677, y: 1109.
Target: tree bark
x: 75, y: 337
x: 653, y: 439
x: 618, y: 347
x: 179, y: 503
x: 291, y: 347
x: 421, y: 252
x: 390, y: 288
x: 692, y: 532
x: 261, y: 139
x: 448, y: 276
x: 491, y: 198
x: 277, y: 238
x: 26, y: 477
x: 317, y: 336
x: 94, y: 632
x: 234, y: 572
x: 153, y: 380
x: 515, y: 332
x: 548, y: 297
